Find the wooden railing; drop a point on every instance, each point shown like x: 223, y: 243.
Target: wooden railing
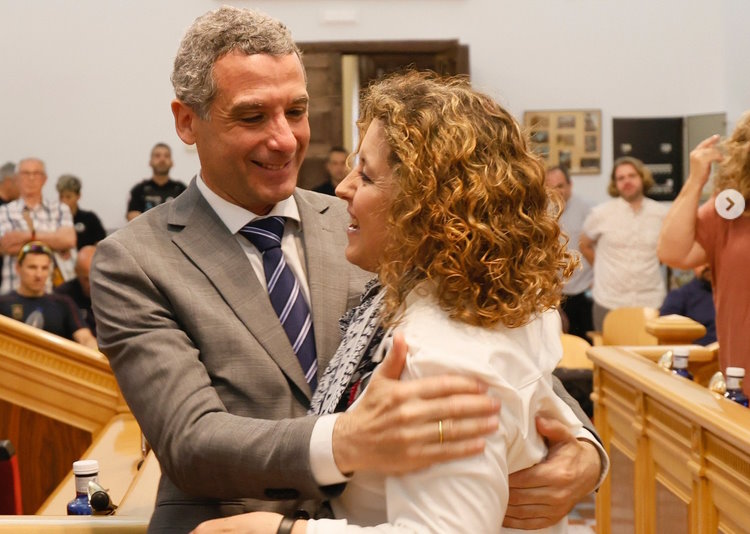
x: 55, y: 395
x: 680, y: 454
x: 59, y: 402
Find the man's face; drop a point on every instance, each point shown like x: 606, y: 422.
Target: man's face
x: 33, y: 273
x: 556, y: 181
x: 31, y: 178
x: 161, y: 160
x: 336, y: 167
x: 253, y: 143
x: 628, y: 182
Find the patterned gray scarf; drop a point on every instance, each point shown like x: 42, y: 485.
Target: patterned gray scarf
x: 350, y: 368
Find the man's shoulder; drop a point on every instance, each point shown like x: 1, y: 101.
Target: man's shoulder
x: 158, y: 224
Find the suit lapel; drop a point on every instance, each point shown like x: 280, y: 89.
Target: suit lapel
x: 208, y: 244
x: 328, y: 272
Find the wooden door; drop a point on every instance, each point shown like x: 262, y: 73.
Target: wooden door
x: 326, y: 117
x: 324, y: 79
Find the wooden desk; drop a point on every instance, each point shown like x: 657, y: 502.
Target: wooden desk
x: 675, y: 329
x: 118, y: 450
x: 55, y: 395
x: 680, y: 455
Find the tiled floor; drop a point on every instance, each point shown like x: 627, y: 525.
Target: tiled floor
x: 581, y: 519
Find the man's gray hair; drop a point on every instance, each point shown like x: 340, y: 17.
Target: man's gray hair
x: 216, y: 34
x: 7, y: 171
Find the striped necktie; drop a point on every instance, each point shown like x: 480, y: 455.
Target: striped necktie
x: 285, y: 293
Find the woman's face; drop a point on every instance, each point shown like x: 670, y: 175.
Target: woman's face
x: 368, y: 190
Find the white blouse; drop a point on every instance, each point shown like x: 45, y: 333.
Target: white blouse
x: 466, y: 495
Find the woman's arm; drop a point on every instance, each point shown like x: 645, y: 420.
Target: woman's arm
x: 677, y: 244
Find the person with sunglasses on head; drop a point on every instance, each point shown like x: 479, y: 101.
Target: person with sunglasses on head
x: 57, y: 314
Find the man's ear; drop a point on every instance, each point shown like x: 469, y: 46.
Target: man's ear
x: 184, y: 120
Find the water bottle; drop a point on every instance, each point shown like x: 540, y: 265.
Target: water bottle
x: 84, y: 471
x: 734, y: 385
x: 680, y: 362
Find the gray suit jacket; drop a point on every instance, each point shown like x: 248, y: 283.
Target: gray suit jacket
x: 203, y: 361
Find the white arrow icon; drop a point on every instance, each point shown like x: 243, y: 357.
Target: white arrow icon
x: 730, y: 204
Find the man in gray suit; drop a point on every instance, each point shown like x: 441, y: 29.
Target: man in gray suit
x: 185, y: 319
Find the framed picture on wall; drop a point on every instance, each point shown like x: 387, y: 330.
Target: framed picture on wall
x: 570, y: 137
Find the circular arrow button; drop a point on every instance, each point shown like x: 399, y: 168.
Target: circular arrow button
x: 730, y: 204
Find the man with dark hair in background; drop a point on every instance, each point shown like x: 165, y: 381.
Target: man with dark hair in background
x: 88, y: 227
x: 336, y: 169
x: 157, y: 189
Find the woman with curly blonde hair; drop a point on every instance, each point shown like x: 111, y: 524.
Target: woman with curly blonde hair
x: 448, y: 207
x: 694, y: 235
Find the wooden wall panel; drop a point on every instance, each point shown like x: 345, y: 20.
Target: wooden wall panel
x: 46, y: 450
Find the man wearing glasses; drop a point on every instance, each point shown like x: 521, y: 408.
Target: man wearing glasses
x: 33, y: 218
x: 30, y: 304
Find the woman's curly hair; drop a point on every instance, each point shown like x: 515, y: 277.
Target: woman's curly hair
x: 734, y: 171
x: 470, y: 212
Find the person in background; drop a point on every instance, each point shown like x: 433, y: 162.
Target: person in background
x: 30, y: 304
x: 619, y: 239
x: 34, y: 218
x: 79, y: 288
x: 336, y: 170
x: 88, y: 227
x: 157, y: 189
x: 694, y: 235
x: 576, y: 305
x: 696, y: 301
x: 8, y: 183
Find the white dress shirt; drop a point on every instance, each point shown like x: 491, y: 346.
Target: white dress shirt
x: 470, y: 494
x: 626, y: 267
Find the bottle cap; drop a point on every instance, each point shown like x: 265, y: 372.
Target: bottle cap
x: 85, y: 467
x: 737, y: 372
x: 682, y: 351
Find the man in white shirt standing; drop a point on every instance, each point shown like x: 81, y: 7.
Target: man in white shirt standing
x: 619, y: 239
x: 576, y: 305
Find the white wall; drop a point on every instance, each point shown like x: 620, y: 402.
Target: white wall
x: 84, y: 84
